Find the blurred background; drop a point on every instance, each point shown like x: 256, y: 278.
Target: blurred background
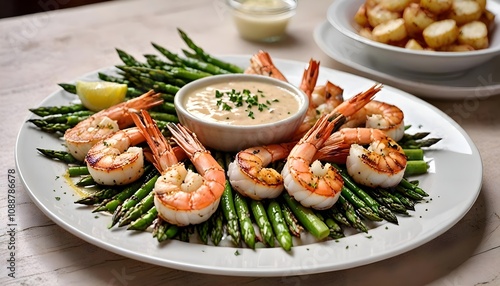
x: 12, y: 8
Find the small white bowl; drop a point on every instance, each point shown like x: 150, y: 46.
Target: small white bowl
x: 231, y: 138
x: 341, y: 16
x: 263, y: 21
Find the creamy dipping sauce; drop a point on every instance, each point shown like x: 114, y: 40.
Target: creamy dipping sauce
x: 259, y: 20
x: 242, y: 103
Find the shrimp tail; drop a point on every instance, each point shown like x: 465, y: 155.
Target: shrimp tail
x: 352, y: 105
x: 186, y: 139
x: 162, y: 155
x: 309, y: 78
x: 262, y: 64
x: 146, y: 101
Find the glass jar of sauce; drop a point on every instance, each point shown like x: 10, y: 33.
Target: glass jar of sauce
x: 262, y: 20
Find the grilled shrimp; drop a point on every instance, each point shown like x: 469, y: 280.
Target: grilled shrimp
x: 345, y: 108
x: 380, y: 115
x: 88, y: 132
x: 248, y: 173
x: 310, y: 182
x: 381, y: 165
x: 181, y: 196
x: 115, y: 160
x: 336, y: 147
x: 262, y: 64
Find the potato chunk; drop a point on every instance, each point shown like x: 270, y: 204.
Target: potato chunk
x: 378, y: 15
x: 390, y: 31
x: 441, y: 33
x: 395, y: 5
x: 464, y: 12
x: 360, y: 17
x: 436, y: 6
x: 417, y: 19
x: 412, y: 44
x: 475, y: 34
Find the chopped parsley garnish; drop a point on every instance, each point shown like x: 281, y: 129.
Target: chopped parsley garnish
x: 239, y: 98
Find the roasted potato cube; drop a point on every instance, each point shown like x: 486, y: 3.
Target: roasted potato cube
x: 390, y: 31
x: 417, y: 19
x: 360, y: 17
x: 474, y: 34
x: 441, y: 33
x: 395, y: 5
x: 436, y: 6
x: 378, y: 15
x: 413, y: 44
x: 464, y: 11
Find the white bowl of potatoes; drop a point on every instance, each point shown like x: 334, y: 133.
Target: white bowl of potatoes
x: 421, y: 36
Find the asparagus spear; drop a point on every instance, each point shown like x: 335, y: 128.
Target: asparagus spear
x: 279, y: 225
x: 75, y: 171
x: 415, y: 144
x: 144, y: 221
x: 185, y: 232
x: 386, y: 198
x: 351, y: 215
x: 128, y: 59
x: 63, y: 118
x: 191, y: 62
x: 217, y: 224
x: 164, y: 116
x: 86, y: 181
x: 202, y: 229
x: 338, y: 215
x: 408, y: 203
x: 208, y: 58
x: 110, y: 78
x: 51, y: 127
x: 159, y: 86
x: 290, y: 219
x: 168, y: 107
x: 414, y: 154
x: 110, y: 205
x: 139, y: 209
x: 372, y: 203
x: 99, y: 196
x: 49, y: 110
x: 58, y: 155
x: 227, y: 203
x: 409, y: 193
x: 307, y: 218
x: 246, y: 226
x: 71, y: 88
x: 361, y: 206
x: 133, y: 200
x: 259, y: 213
x: 416, y: 167
x: 414, y: 187
x: 335, y: 229
x: 157, y: 75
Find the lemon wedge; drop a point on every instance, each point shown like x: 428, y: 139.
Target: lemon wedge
x: 97, y: 95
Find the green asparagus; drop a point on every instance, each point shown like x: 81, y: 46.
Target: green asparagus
x: 246, y: 225
x: 279, y: 225
x: 307, y: 218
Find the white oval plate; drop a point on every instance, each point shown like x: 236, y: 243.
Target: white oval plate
x: 480, y: 82
x: 454, y: 182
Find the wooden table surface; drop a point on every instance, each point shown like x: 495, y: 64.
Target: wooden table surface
x: 40, y: 50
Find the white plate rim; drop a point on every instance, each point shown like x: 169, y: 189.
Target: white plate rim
x: 424, y: 90
x: 304, y: 259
